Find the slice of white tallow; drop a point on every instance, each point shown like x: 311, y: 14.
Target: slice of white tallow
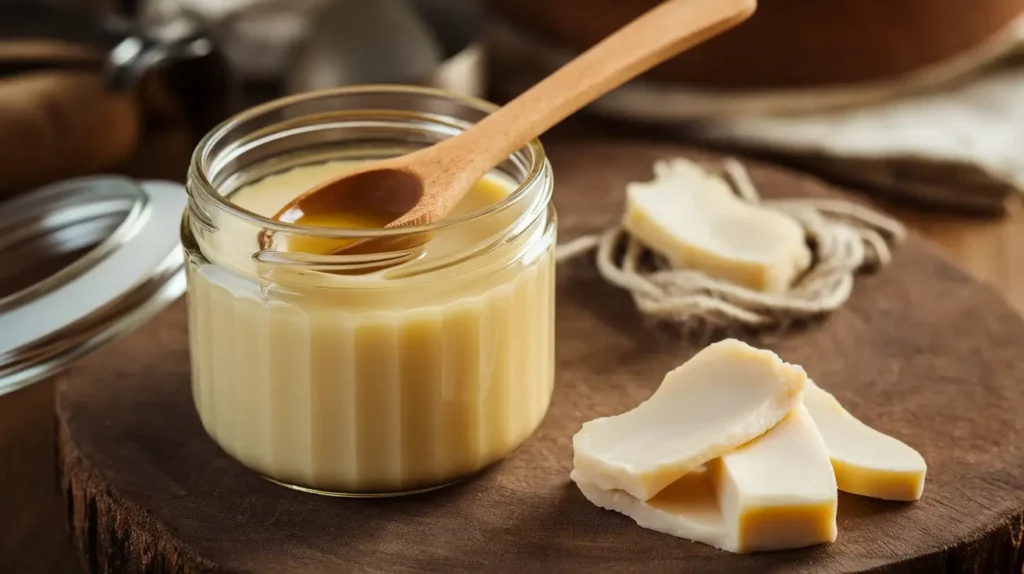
x: 774, y: 493
x: 694, y: 220
x: 866, y: 461
x: 726, y: 395
x: 778, y: 491
x: 687, y: 508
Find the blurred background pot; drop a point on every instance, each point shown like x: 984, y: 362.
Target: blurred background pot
x: 787, y: 43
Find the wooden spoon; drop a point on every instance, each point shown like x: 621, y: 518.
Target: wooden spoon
x: 423, y: 186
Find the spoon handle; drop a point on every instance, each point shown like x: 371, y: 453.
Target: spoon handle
x: 664, y: 31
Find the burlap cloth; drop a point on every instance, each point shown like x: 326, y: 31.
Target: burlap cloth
x: 956, y: 145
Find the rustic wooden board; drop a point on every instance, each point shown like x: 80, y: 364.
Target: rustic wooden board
x: 921, y: 351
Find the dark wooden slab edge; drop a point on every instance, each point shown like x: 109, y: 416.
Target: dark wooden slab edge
x: 111, y: 533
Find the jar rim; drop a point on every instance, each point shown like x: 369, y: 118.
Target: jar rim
x: 200, y: 161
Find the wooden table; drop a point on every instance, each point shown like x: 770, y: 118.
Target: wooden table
x: 992, y: 251
x: 32, y: 538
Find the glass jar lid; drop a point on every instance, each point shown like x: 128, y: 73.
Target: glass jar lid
x: 82, y: 261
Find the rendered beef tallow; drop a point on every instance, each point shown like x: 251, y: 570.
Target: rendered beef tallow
x: 725, y: 396
x: 866, y: 461
x: 696, y: 221
x: 674, y: 465
x: 746, y: 501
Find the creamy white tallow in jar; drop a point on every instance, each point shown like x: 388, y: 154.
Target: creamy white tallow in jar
x: 365, y: 375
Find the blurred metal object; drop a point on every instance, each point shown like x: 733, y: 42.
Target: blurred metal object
x: 358, y: 42
x: 257, y: 36
x: 181, y: 49
x: 276, y: 46
x: 83, y: 261
x: 139, y: 53
x: 458, y: 25
x: 423, y: 42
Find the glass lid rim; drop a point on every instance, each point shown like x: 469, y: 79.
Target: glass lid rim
x: 92, y: 316
x: 538, y: 163
x: 56, y: 194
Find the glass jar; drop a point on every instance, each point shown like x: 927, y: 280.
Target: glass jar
x: 366, y: 375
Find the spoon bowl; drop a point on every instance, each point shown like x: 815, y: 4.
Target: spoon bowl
x: 378, y: 195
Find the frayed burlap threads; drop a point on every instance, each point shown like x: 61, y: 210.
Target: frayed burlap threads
x: 845, y: 238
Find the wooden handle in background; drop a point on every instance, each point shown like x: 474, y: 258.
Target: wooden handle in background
x: 59, y: 124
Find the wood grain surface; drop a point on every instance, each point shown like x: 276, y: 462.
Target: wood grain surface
x: 33, y: 535
x: 922, y: 351
x: 991, y: 250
